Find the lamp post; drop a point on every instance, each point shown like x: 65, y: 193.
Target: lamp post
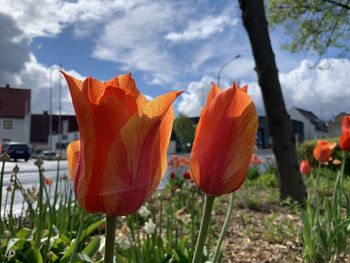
x: 50, y: 108
x: 50, y: 111
x: 224, y: 66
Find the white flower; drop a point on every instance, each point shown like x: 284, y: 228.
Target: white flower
x: 122, y: 241
x: 150, y: 227
x: 144, y: 212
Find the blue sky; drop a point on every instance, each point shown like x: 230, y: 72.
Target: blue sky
x: 166, y: 44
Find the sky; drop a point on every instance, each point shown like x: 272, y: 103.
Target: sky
x: 165, y: 44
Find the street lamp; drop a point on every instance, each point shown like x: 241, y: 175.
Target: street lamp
x: 224, y: 66
x: 50, y: 110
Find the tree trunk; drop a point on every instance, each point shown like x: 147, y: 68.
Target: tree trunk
x: 255, y: 22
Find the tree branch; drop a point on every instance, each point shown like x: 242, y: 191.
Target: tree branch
x: 338, y: 4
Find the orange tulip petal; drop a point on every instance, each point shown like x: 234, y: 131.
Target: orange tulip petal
x: 224, y: 142
x: 107, y: 127
x: 127, y: 83
x: 93, y: 90
x: 346, y: 123
x: 73, y: 150
x: 323, y: 150
x: 345, y: 141
x: 139, y: 170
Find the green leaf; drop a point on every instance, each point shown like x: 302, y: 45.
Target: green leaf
x: 92, y: 247
x: 24, y: 233
x: 84, y: 235
x: 32, y: 254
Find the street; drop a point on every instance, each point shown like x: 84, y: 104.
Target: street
x: 28, y: 175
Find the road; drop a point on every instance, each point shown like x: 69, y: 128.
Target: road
x: 29, y: 177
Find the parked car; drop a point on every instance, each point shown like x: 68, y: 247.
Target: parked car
x: 16, y: 150
x: 47, y: 155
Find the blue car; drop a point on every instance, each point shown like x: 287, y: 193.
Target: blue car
x: 16, y: 150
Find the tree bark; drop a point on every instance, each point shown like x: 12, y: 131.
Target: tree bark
x: 255, y: 23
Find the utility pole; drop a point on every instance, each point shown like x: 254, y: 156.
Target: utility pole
x: 224, y: 66
x: 60, y: 113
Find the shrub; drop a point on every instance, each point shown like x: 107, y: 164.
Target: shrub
x: 268, y: 180
x: 305, y: 153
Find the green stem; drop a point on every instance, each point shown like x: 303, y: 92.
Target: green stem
x: 6, y: 199
x: 316, y: 201
x: 56, y: 190
x: 11, y: 220
x: 77, y: 239
x: 1, y: 186
x: 208, y: 205
x: 39, y: 213
x: 111, y: 223
x: 224, y: 227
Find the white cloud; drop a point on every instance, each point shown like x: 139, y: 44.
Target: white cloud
x: 133, y: 39
x: 323, y: 88
x: 203, y: 28
x: 36, y: 76
x: 192, y: 101
x: 49, y: 17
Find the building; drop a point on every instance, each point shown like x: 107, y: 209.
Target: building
x: 334, y: 126
x: 15, y: 114
x: 314, y: 127
x: 40, y: 131
x: 264, y: 137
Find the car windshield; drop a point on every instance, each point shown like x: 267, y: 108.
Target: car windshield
x: 22, y: 147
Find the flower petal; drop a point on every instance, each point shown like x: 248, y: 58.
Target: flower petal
x: 73, y: 151
x: 145, y: 140
x: 224, y: 142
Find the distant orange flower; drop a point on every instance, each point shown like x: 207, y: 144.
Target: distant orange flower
x: 224, y: 141
x: 255, y: 160
x: 73, y: 151
x: 345, y: 137
x: 123, y: 141
x: 323, y: 150
x: 184, y: 161
x: 48, y: 181
x: 305, y: 167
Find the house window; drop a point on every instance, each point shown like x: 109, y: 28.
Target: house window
x: 8, y: 124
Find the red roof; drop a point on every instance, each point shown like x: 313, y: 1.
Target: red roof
x: 14, y: 103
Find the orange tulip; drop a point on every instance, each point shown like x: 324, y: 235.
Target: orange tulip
x: 224, y: 141
x: 323, y: 150
x: 123, y: 140
x: 255, y: 160
x: 48, y: 181
x: 305, y: 167
x: 73, y: 151
x: 345, y: 137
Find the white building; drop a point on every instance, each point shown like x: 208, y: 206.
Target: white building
x: 14, y: 115
x: 314, y: 128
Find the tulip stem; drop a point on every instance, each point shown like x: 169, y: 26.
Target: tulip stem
x: 208, y: 205
x: 224, y: 227
x: 111, y: 223
x: 1, y: 186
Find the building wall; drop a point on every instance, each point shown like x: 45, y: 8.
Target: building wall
x: 20, y: 131
x: 309, y: 129
x: 334, y: 127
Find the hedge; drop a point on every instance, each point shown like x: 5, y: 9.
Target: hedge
x: 306, y: 148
